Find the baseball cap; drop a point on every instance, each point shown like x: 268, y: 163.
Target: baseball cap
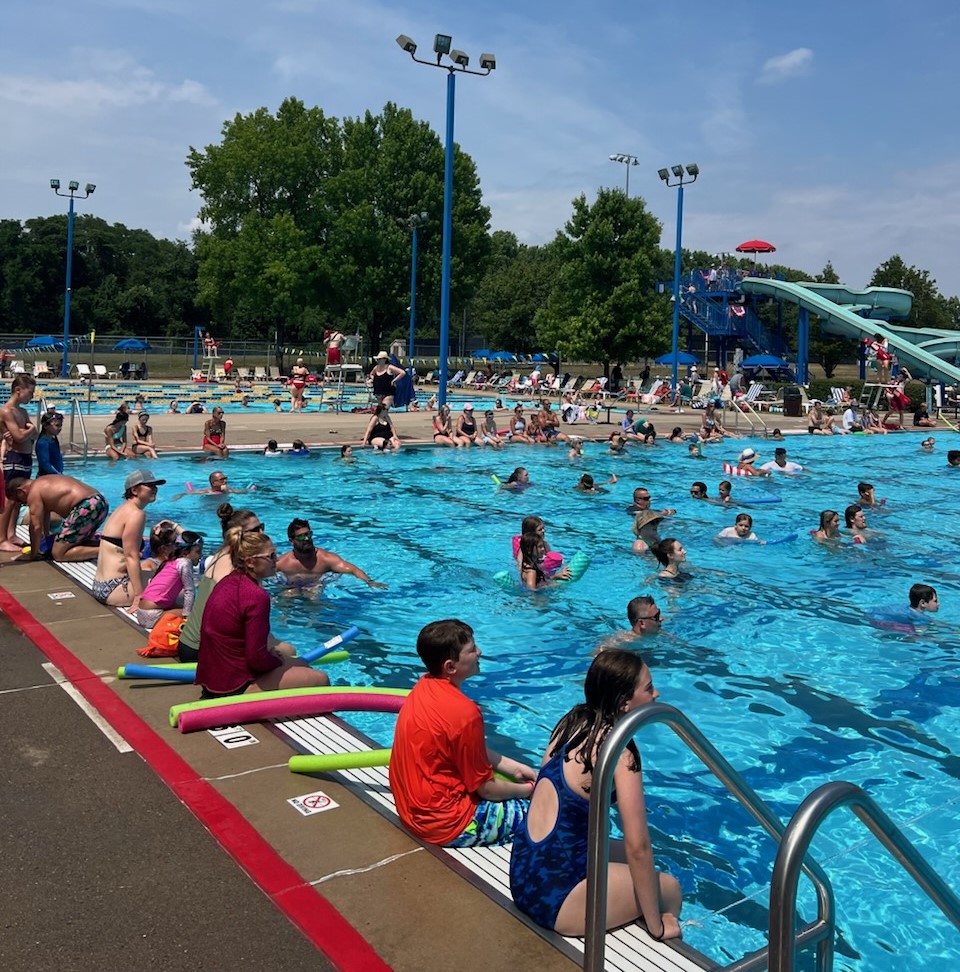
x: 142, y: 477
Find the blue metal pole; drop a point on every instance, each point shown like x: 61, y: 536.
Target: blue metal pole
x: 413, y: 292
x: 675, y: 344
x: 65, y: 370
x: 447, y: 239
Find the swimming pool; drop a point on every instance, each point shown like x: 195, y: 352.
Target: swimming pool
x: 767, y: 649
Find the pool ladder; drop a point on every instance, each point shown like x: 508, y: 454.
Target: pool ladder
x: 793, y: 842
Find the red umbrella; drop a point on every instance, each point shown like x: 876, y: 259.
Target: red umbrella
x: 756, y: 246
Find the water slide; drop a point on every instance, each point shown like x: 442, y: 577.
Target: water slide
x: 922, y: 350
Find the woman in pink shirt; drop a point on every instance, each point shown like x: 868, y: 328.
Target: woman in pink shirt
x: 234, y: 657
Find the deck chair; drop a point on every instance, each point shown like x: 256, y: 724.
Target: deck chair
x: 428, y: 379
x: 243, y: 374
x: 100, y: 371
x: 17, y: 368
x: 83, y: 372
x: 41, y: 369
x: 259, y: 373
x: 275, y: 373
x: 219, y: 374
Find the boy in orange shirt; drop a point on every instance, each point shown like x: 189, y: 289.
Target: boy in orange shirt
x: 441, y: 771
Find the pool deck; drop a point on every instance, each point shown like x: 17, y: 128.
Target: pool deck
x: 109, y: 841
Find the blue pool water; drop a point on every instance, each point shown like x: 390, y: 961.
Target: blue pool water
x: 767, y: 649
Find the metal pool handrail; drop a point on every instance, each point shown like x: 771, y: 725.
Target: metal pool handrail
x: 797, y: 836
x: 819, y: 932
x: 76, y: 419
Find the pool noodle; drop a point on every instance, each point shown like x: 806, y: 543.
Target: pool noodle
x: 174, y: 671
x: 335, y: 642
x: 331, y: 762
x: 786, y: 539
x: 177, y: 710
x: 267, y: 706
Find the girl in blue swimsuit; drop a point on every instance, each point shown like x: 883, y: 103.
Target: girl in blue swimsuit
x: 548, y: 865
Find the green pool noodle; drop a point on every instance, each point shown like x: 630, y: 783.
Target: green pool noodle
x: 331, y: 762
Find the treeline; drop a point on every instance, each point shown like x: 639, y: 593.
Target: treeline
x: 124, y: 281
x: 307, y: 224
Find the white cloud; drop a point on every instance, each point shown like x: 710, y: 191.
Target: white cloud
x: 784, y: 66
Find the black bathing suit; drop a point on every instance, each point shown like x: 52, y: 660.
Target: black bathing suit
x: 468, y: 427
x: 383, y: 384
x: 381, y: 431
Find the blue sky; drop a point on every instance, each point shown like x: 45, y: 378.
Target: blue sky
x: 829, y: 129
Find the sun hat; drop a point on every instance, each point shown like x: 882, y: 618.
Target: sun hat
x: 382, y: 356
x: 142, y: 477
x: 748, y: 455
x: 645, y: 518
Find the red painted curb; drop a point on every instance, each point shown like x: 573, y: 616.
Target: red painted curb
x: 302, y: 904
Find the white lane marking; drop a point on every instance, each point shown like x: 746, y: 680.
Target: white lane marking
x: 88, y: 710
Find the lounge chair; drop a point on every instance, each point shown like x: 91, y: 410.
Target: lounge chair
x: 41, y: 370
x: 17, y: 368
x: 259, y: 373
x: 428, y: 379
x: 83, y: 372
x: 100, y: 371
x: 243, y: 374
x: 275, y: 374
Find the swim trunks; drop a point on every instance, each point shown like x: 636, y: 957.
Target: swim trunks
x: 83, y: 521
x: 101, y: 590
x: 17, y: 464
x: 493, y: 823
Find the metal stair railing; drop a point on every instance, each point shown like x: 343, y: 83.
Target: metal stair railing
x: 819, y: 932
x: 77, y: 426
x: 791, y: 857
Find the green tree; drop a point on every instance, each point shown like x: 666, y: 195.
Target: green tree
x: 929, y: 307
x: 603, y: 306
x: 517, y: 284
x: 828, y: 276
x: 342, y: 192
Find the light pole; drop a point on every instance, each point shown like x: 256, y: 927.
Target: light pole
x: 413, y: 223
x: 679, y: 173
x: 72, y: 188
x: 459, y: 63
x: 627, y: 160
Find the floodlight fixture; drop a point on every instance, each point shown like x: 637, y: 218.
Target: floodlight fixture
x: 90, y: 189
x: 54, y: 184
x: 460, y: 57
x: 664, y: 174
x: 488, y: 62
x: 442, y: 44
x: 73, y: 185
x: 408, y: 44
x: 693, y: 169
x: 677, y: 170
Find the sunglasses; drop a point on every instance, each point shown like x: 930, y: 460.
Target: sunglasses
x: 259, y: 528
x: 654, y: 617
x: 303, y: 536
x: 269, y: 556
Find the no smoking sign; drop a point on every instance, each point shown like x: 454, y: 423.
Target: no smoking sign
x: 312, y: 803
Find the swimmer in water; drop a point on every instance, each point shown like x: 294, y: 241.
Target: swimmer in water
x: 671, y: 557
x: 305, y: 561
x: 829, y: 527
x: 587, y: 485
x: 518, y: 480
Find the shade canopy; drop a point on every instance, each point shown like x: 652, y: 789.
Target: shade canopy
x: 756, y: 246
x: 45, y: 341
x: 132, y: 344
x: 763, y: 361
x: 683, y: 358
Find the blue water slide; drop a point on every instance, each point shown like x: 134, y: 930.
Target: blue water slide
x: 915, y: 347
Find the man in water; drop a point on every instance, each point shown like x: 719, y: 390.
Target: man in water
x: 641, y: 503
x: 781, y: 464
x: 308, y: 561
x: 82, y: 508
x: 644, y: 617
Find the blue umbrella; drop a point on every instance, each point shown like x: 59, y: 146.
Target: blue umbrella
x: 763, y: 361
x: 503, y: 356
x: 45, y: 341
x: 683, y: 358
x: 132, y: 344
x: 548, y: 356
x: 482, y: 353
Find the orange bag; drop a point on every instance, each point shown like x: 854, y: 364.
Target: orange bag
x: 164, y: 637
